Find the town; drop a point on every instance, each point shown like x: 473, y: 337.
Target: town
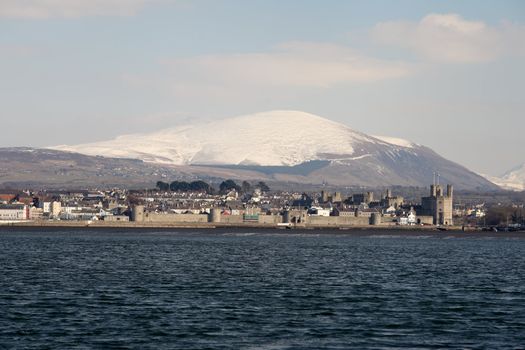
x: 197, y: 204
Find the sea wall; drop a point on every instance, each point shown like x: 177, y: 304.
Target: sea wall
x: 327, y: 221
x: 166, y: 218
x: 232, y: 219
x: 270, y: 219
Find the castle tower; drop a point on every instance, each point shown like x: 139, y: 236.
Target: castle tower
x: 137, y: 213
x: 336, y: 198
x: 215, y: 215
x: 450, y: 190
x: 439, y: 205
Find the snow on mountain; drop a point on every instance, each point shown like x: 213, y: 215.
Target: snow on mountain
x: 289, y: 146
x: 276, y: 138
x: 396, y: 141
x: 513, y: 179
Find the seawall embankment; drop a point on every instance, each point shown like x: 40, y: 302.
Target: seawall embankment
x: 204, y: 225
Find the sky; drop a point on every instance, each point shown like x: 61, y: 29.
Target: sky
x: 446, y: 74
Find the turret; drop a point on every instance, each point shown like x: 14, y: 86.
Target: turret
x: 375, y: 219
x: 137, y: 213
x: 450, y: 191
x: 214, y: 215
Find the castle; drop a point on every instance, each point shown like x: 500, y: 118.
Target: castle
x: 439, y: 205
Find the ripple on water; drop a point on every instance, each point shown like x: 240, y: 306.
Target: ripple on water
x: 259, y: 290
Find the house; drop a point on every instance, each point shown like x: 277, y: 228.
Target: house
x: 366, y: 212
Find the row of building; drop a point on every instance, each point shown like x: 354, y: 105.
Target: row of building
x: 280, y: 208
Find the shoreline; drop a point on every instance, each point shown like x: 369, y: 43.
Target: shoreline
x: 132, y: 226
x: 189, y: 225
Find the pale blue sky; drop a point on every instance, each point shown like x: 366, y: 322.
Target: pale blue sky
x: 447, y: 74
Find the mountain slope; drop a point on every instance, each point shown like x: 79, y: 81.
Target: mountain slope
x: 23, y: 166
x: 44, y: 168
x: 290, y: 146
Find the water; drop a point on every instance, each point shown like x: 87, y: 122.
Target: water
x: 259, y: 290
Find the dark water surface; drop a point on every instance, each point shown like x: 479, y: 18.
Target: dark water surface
x: 262, y: 290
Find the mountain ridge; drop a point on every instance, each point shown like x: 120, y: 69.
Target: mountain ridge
x: 281, y: 144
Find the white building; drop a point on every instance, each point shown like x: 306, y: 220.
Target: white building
x: 403, y: 220
x: 412, y: 217
x: 52, y: 208
x: 14, y: 212
x: 46, y: 207
x: 478, y: 213
x: 318, y: 211
x: 55, y: 209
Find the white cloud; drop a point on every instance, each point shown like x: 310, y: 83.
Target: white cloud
x: 452, y: 39
x: 296, y: 64
x: 43, y: 9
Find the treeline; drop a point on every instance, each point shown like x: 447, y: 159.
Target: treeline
x: 183, y: 186
x: 201, y: 186
x: 504, y: 215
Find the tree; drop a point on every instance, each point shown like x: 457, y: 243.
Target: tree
x: 163, y: 186
x: 263, y: 186
x: 200, y: 186
x: 181, y: 186
x: 499, y: 215
x: 134, y: 200
x: 246, y: 187
x: 228, y: 185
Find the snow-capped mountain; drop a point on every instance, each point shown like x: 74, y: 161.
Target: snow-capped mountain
x: 291, y: 146
x: 513, y: 179
x: 278, y: 138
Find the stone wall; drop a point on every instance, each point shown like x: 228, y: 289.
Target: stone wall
x: 425, y: 219
x: 162, y: 217
x: 232, y: 219
x: 337, y: 221
x: 270, y: 219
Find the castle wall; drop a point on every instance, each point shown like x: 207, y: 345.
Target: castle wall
x: 232, y: 219
x: 337, y: 221
x: 163, y: 217
x: 425, y: 219
x: 298, y: 218
x: 270, y: 219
